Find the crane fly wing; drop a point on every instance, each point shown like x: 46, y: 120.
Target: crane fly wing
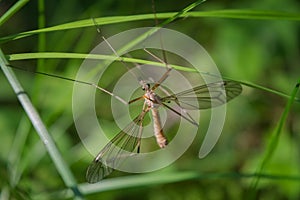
x: 206, y: 96
x: 118, y: 149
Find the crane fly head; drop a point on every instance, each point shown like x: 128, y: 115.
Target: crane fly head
x: 145, y: 86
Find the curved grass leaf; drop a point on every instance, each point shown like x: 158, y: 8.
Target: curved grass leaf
x: 234, y: 14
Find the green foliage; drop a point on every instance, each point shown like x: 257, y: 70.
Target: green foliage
x: 256, y: 43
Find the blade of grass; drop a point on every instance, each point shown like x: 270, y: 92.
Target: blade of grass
x: 8, y: 14
x: 130, y: 44
x: 102, y: 21
x: 273, y: 141
x: 38, y: 151
x: 17, y: 148
x: 40, y: 128
x: 181, y: 13
x: 267, y: 90
x: 156, y: 178
x: 61, y: 55
x: 41, y: 36
x: 248, y: 14
x: 231, y: 14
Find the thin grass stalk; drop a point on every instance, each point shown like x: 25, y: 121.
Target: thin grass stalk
x: 273, y: 142
x: 41, y: 36
x: 40, y: 128
x: 15, y: 8
x: 15, y: 154
x: 230, y: 14
x: 158, y: 178
x: 63, y: 55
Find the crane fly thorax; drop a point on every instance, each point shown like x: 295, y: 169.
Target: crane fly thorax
x: 152, y: 99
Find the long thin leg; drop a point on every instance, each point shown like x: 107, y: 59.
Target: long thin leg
x: 166, y: 74
x: 136, y: 99
x: 145, y: 110
x: 114, y: 51
x: 73, y: 80
x: 162, y: 79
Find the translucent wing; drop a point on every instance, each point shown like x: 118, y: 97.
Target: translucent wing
x: 116, y: 151
x: 206, y: 96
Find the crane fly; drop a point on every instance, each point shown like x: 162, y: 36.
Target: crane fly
x: 129, y: 139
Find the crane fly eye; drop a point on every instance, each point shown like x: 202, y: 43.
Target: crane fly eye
x: 146, y: 86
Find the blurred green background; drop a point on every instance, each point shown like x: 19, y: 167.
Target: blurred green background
x: 263, y: 52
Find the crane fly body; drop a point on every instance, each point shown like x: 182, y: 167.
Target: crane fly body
x: 128, y: 140
x: 153, y: 101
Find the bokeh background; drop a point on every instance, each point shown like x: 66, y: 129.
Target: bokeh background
x: 262, y: 52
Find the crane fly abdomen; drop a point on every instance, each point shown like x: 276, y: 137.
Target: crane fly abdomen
x: 158, y: 131
x: 153, y: 101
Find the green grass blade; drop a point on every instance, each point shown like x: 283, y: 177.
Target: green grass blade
x: 15, y: 8
x: 273, y: 141
x: 41, y: 36
x: 61, y: 55
x: 40, y: 128
x: 233, y: 14
x: 105, y: 20
x: 181, y: 13
x: 153, y: 30
x: 17, y: 148
x: 248, y: 14
x: 157, y: 178
x: 255, y: 86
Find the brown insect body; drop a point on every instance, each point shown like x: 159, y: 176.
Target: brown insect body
x: 153, y: 101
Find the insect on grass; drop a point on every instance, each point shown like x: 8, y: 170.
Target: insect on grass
x: 129, y: 138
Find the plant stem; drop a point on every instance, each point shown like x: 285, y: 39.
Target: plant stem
x: 40, y: 128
